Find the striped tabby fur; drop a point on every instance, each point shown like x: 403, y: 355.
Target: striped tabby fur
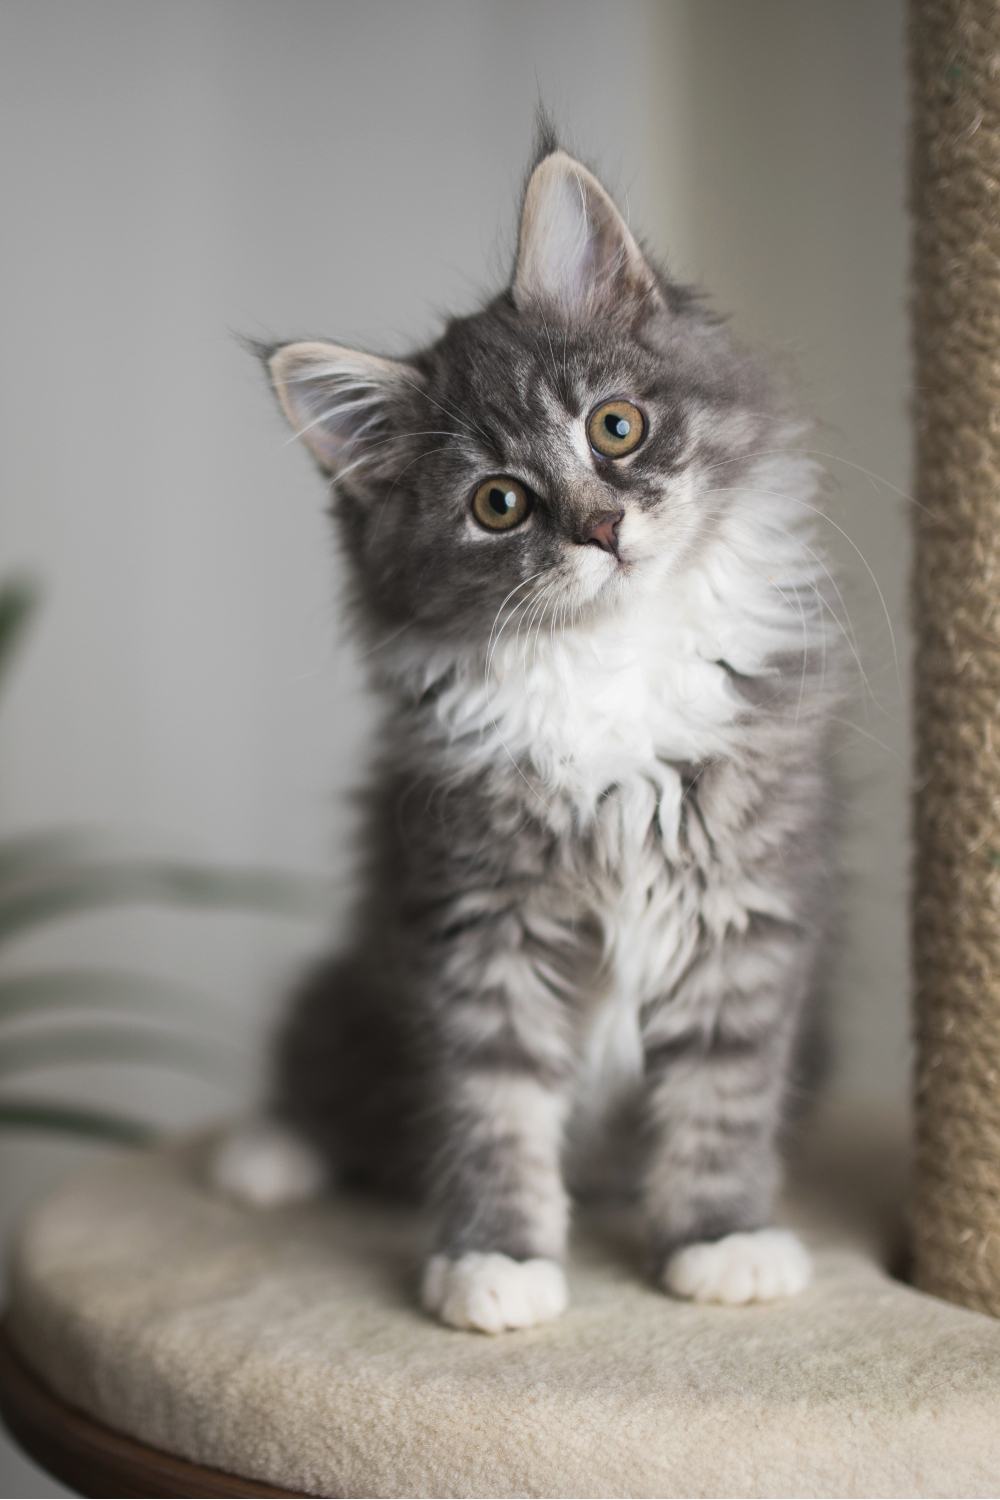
x: 598, y: 859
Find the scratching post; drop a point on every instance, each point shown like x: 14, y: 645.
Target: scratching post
x: 955, y: 64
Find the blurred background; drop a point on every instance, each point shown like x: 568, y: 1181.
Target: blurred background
x: 175, y: 175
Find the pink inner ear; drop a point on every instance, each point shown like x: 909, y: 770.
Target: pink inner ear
x: 334, y: 399
x: 575, y: 247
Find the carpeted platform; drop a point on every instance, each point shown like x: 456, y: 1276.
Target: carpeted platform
x: 289, y: 1349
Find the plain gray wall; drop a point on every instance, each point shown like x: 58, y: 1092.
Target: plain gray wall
x: 172, y: 174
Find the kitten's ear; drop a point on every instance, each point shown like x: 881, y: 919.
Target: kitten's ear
x: 340, y: 401
x: 574, y: 249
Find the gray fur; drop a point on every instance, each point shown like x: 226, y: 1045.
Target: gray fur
x: 440, y: 1054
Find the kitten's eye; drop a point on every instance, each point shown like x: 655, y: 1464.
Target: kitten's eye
x: 616, y: 428
x: 501, y: 503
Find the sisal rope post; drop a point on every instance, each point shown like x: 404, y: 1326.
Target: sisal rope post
x: 955, y: 75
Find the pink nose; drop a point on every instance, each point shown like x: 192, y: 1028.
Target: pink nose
x: 602, y: 530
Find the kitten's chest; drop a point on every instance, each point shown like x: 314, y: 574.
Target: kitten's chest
x: 593, y: 712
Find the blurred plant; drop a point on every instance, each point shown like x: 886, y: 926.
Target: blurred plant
x: 49, y: 875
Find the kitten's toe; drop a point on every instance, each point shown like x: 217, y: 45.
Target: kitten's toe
x: 757, y: 1267
x: 266, y: 1165
x: 491, y: 1293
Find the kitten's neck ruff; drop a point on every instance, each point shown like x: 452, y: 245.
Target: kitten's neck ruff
x: 581, y: 707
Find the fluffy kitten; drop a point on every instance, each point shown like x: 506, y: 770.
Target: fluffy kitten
x: 582, y: 543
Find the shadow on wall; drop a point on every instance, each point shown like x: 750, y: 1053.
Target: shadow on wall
x: 789, y: 130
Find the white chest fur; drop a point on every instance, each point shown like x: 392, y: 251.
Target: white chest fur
x: 597, y: 709
x: 590, y: 704
x: 618, y: 706
x: 607, y: 703
x: 624, y: 706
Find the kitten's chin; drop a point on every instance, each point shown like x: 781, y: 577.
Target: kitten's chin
x: 606, y: 585
x: 599, y: 579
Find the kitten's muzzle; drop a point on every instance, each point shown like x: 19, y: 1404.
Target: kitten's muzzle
x: 601, y: 530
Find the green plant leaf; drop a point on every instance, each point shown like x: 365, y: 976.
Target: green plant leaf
x: 73, y: 1119
x: 64, y: 892
x: 18, y: 597
x: 24, y: 856
x: 95, y: 989
x: 61, y: 1046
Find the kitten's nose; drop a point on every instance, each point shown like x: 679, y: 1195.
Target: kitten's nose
x: 602, y: 530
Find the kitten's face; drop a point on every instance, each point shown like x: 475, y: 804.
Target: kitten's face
x: 547, y: 457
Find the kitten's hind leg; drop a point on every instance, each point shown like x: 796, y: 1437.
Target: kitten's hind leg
x: 264, y: 1163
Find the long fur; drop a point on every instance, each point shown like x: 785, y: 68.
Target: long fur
x: 598, y: 864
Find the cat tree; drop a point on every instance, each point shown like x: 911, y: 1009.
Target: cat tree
x: 161, y: 1342
x: 956, y: 898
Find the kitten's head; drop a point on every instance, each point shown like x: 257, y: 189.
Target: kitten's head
x: 558, y: 446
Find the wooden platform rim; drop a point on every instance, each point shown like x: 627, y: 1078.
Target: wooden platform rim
x: 94, y: 1459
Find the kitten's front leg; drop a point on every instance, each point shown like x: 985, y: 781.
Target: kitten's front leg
x: 717, y: 1059
x: 497, y: 1182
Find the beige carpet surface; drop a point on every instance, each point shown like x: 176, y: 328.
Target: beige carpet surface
x: 288, y: 1348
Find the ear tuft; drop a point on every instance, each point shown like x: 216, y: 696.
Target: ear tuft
x: 339, y: 401
x: 546, y: 136
x: 575, y: 253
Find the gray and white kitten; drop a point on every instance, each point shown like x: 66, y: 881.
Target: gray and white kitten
x: 581, y: 533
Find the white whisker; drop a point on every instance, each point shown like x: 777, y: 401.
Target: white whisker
x: 837, y: 458
x: 816, y: 511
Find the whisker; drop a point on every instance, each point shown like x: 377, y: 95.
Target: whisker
x: 549, y: 587
x: 448, y: 411
x: 535, y: 613
x: 522, y: 608
x: 859, y: 729
x: 815, y: 510
x: 495, y: 639
x: 428, y: 453
x: 552, y: 354
x: 392, y: 437
x: 496, y: 619
x: 845, y: 625
x: 836, y: 458
x: 386, y: 640
x: 805, y: 649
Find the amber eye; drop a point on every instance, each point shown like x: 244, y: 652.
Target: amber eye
x: 501, y: 503
x: 616, y: 428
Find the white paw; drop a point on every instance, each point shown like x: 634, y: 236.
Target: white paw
x: 757, y: 1267
x: 492, y: 1293
x: 266, y: 1165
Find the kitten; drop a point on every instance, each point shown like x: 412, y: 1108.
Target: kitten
x: 581, y: 535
